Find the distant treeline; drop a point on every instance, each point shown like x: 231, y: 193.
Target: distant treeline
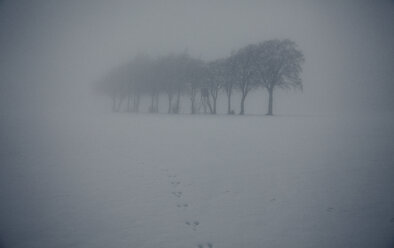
x: 270, y: 64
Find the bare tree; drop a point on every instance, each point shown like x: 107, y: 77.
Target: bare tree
x: 229, y: 80
x: 244, y: 69
x: 176, y: 72
x: 140, y: 70
x: 216, y: 78
x: 194, y: 79
x: 165, y: 71
x: 153, y: 85
x: 181, y: 78
x: 271, y: 64
x: 279, y: 66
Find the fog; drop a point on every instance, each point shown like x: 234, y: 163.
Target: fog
x: 59, y: 135
x: 57, y: 49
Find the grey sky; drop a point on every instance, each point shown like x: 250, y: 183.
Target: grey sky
x: 53, y: 50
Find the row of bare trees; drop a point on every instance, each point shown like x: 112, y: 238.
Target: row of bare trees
x: 270, y: 65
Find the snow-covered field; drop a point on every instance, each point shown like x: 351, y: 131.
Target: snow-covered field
x: 140, y: 180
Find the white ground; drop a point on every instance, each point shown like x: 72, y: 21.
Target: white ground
x: 140, y: 180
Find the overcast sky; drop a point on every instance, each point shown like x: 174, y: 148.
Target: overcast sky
x: 54, y: 49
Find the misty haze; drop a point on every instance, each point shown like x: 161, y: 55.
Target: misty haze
x: 205, y: 124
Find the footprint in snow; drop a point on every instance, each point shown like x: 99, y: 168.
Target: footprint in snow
x: 182, y: 205
x: 193, y: 224
x: 176, y: 183
x: 330, y: 209
x: 209, y: 245
x: 177, y: 194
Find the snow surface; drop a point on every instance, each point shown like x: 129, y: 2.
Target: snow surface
x: 140, y: 180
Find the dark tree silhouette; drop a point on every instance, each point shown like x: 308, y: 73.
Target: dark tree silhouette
x: 229, y: 80
x: 279, y: 66
x: 195, y: 74
x: 215, y: 79
x: 245, y: 72
x: 271, y: 64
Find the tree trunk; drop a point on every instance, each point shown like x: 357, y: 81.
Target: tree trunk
x: 119, y: 104
x: 169, y: 103
x: 113, y: 103
x: 152, y: 103
x: 209, y: 105
x: 214, y: 99
x: 178, y: 101
x: 270, y: 101
x: 242, y: 112
x: 136, y: 103
x: 193, y: 99
x: 129, y: 93
x: 157, y: 103
x: 129, y: 103
x: 229, y: 103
